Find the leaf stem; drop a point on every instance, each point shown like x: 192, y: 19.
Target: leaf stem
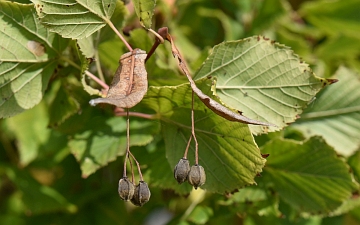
x: 118, y: 34
x: 97, y: 58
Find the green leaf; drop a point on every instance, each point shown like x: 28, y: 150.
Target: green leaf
x: 333, y: 17
x: 27, y: 58
x: 160, y: 173
x: 104, y: 140
x: 354, y: 162
x: 63, y: 106
x: 74, y: 19
x: 38, y: 198
x: 30, y: 129
x: 227, y: 150
x: 200, y: 215
x: 263, y: 79
x: 335, y: 114
x: 308, y: 176
x: 145, y: 10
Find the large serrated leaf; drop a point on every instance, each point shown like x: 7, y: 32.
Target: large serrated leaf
x: 263, y: 79
x: 335, y: 114
x: 227, y: 150
x: 145, y: 10
x: 308, y: 176
x: 104, y: 140
x: 74, y: 18
x: 27, y: 58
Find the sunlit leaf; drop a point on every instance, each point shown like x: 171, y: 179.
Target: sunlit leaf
x: 335, y: 114
x: 307, y: 175
x: 145, y: 10
x: 74, y: 19
x: 263, y: 79
x: 27, y: 58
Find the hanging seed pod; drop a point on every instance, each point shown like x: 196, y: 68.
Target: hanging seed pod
x: 126, y: 189
x: 197, y: 176
x: 141, y: 194
x: 182, y: 170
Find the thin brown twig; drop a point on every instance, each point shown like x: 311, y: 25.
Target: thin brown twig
x: 138, y: 166
x: 92, y: 76
x: 126, y: 156
x: 120, y: 36
x: 132, y: 170
x: 193, y: 129
x: 187, y: 147
x: 137, y: 114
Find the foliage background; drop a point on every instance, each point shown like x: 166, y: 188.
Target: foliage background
x: 43, y: 183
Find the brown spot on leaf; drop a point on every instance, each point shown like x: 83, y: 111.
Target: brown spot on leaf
x: 265, y: 155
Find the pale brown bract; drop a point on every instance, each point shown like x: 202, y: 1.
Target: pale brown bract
x: 129, y: 84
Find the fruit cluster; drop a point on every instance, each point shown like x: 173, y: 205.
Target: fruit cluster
x: 195, y: 175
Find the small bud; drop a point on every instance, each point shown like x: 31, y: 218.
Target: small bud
x: 182, y: 170
x: 197, y: 176
x: 126, y: 189
x: 141, y: 194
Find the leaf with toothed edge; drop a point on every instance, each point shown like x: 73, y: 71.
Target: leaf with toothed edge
x: 144, y: 9
x: 28, y: 58
x: 74, y: 19
x: 335, y: 114
x: 227, y: 150
x: 264, y: 80
x: 308, y: 175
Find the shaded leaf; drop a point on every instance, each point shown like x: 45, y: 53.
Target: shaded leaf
x: 27, y: 58
x: 263, y: 79
x: 200, y: 215
x: 38, y: 198
x: 145, y: 10
x: 335, y: 114
x: 333, y: 17
x: 129, y: 84
x: 227, y: 150
x: 63, y: 106
x: 74, y: 19
x: 31, y: 132
x: 308, y: 176
x: 160, y: 173
x: 104, y: 140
